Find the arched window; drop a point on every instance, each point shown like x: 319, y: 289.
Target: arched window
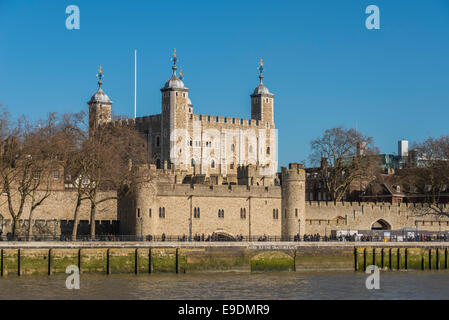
x: 192, y: 163
x: 212, y: 164
x: 196, y: 213
x: 268, y: 150
x: 220, y: 213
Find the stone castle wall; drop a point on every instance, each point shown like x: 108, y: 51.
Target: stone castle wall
x: 249, y: 210
x: 323, y: 216
x: 60, y: 206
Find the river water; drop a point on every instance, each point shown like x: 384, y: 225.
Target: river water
x: 287, y: 285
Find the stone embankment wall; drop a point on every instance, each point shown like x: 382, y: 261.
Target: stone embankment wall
x: 106, y: 258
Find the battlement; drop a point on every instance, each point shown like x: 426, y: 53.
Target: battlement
x: 295, y: 171
x: 237, y: 191
x: 238, y: 122
x: 367, y: 205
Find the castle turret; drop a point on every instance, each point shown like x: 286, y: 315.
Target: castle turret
x: 262, y: 101
x: 293, y: 201
x: 176, y: 108
x: 99, y: 106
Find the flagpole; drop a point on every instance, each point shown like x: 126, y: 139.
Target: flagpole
x: 135, y: 83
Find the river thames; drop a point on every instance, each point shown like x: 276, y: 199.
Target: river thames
x: 288, y: 285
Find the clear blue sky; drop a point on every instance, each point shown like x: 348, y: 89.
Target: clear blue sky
x: 324, y: 66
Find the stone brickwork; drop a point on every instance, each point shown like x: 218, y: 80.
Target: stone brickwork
x: 60, y: 206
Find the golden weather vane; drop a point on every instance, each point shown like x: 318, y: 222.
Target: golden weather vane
x: 175, y: 57
x: 100, y: 75
x: 260, y: 68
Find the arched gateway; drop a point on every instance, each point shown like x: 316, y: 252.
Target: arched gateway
x: 381, y: 225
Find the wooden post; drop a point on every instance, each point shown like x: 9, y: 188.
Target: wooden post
x: 405, y: 259
x: 136, y: 262
x: 445, y: 258
x: 389, y: 258
x: 177, y: 260
x: 150, y: 262
x: 1, y: 267
x: 438, y: 259
x: 398, y: 256
x: 50, y: 262
x: 364, y: 259
x: 382, y: 258
x: 108, y: 262
x: 79, y: 260
x: 18, y: 262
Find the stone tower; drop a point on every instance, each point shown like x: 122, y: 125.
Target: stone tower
x: 99, y: 106
x: 293, y: 201
x: 262, y: 102
x: 176, y: 108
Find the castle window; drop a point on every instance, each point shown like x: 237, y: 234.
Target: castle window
x: 192, y: 163
x: 149, y: 213
x: 232, y: 165
x: 138, y: 212
x: 276, y: 214
x: 296, y: 213
x: 243, y: 213
x: 56, y: 175
x: 176, y: 94
x: 162, y: 212
x: 184, y: 95
x: 250, y: 149
x: 191, y: 142
x: 158, y: 141
x: 212, y: 164
x: 268, y: 150
x: 232, y: 147
x: 196, y: 213
x: 220, y: 213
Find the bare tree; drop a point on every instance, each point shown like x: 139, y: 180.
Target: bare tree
x: 428, y: 180
x: 47, y: 160
x: 346, y: 157
x: 113, y: 151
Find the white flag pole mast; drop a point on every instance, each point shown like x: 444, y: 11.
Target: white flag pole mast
x: 135, y: 83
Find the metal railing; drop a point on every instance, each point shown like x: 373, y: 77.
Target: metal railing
x: 442, y: 237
